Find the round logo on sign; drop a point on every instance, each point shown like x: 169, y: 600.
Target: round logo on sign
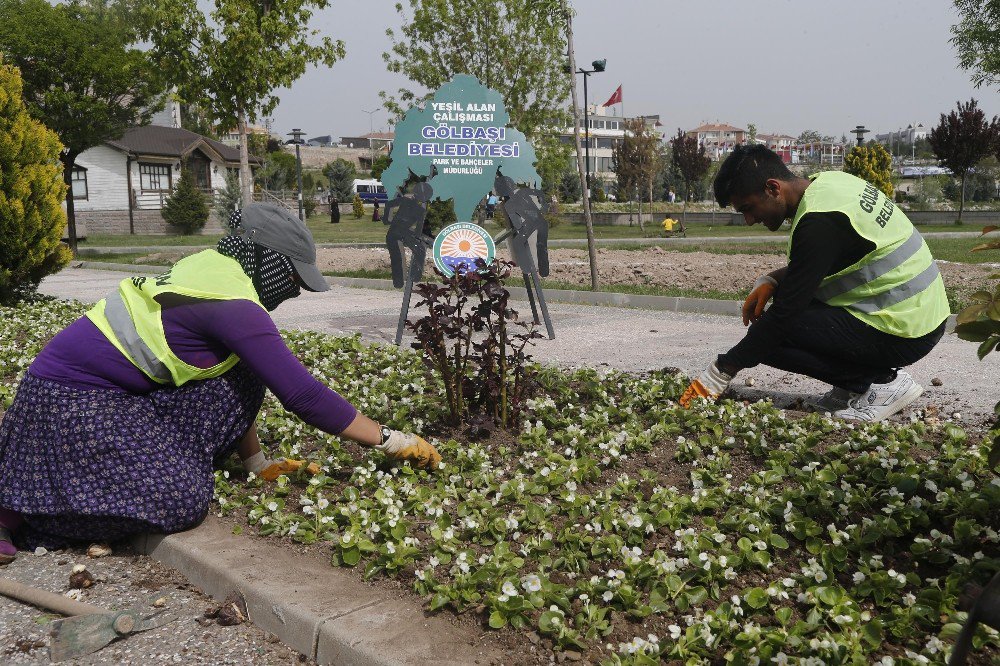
x: 458, y: 246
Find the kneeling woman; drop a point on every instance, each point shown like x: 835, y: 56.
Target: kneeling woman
x: 119, y: 422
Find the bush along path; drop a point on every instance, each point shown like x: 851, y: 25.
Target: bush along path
x: 621, y: 529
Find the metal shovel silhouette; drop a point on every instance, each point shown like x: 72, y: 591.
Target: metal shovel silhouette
x: 90, y: 627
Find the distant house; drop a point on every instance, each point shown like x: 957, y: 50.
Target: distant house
x: 718, y: 139
x: 121, y: 185
x: 783, y: 144
x: 376, y: 143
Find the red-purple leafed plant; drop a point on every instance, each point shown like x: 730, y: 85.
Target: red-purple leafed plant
x: 474, y: 340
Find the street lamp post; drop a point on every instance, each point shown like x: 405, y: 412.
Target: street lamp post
x: 860, y: 131
x: 598, y: 66
x: 371, y: 146
x: 297, y: 135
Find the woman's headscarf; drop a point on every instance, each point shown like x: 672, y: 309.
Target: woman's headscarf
x: 270, y: 271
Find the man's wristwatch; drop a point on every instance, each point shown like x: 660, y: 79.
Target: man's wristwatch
x: 385, y: 432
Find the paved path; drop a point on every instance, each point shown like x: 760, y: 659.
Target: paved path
x: 626, y: 339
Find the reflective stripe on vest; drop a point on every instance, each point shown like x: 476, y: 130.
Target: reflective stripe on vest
x: 899, y: 293
x: 127, y: 334
x: 869, y: 272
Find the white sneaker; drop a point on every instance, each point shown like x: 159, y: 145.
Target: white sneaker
x: 883, y: 400
x: 832, y: 401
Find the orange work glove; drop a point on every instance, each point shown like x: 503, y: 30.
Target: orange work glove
x: 406, y: 446
x: 753, y: 306
x: 286, y: 466
x: 709, y: 385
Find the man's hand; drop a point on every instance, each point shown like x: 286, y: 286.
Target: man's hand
x: 286, y: 466
x: 406, y: 446
x: 709, y: 385
x: 753, y: 306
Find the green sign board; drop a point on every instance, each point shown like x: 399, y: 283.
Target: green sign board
x: 457, y: 142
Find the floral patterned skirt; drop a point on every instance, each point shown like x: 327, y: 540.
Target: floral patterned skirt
x: 99, y: 465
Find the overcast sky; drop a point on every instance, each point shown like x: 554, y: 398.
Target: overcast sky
x: 784, y: 65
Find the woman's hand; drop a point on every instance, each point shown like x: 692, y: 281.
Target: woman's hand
x: 401, y: 446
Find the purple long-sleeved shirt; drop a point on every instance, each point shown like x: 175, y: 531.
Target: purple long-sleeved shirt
x: 201, y: 334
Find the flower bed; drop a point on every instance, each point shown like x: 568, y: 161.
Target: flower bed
x: 626, y: 530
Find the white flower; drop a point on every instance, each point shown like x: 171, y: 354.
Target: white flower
x: 509, y: 589
x: 272, y: 507
x: 858, y: 577
x: 531, y: 583
x: 608, y: 596
x: 675, y: 631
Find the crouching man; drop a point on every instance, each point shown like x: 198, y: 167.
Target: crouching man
x: 860, y: 298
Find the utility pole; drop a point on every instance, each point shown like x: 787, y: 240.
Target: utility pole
x: 588, y: 220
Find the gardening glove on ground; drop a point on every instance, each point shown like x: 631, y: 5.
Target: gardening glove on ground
x: 753, y: 306
x: 269, y: 470
x: 407, y: 446
x: 710, y: 385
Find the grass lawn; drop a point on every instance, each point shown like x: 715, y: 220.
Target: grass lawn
x: 366, y: 231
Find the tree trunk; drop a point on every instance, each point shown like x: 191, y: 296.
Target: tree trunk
x: 684, y: 210
x: 69, y: 161
x: 246, y: 181
x: 961, y: 200
x: 588, y: 220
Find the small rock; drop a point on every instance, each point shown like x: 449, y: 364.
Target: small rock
x: 560, y: 657
x: 534, y: 637
x: 79, y: 568
x: 75, y: 595
x: 81, y: 580
x: 160, y: 603
x: 41, y: 550
x: 573, y: 655
x: 62, y: 562
x: 957, y: 416
x: 99, y: 550
x: 749, y: 381
x: 937, y: 382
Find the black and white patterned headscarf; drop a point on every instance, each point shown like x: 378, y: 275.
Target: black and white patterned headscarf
x: 270, y: 271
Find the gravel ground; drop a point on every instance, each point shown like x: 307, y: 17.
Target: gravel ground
x: 123, y: 579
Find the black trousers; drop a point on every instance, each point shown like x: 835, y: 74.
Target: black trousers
x: 829, y: 344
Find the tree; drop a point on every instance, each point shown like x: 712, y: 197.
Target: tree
x: 278, y: 172
x: 962, y: 139
x: 341, y: 175
x: 751, y: 134
x: 230, y: 198
x: 82, y: 78
x: 976, y: 38
x: 569, y: 188
x: 635, y: 159
x: 380, y: 164
x: 187, y: 207
x: 194, y: 119
x: 515, y: 47
x: 31, y: 194
x: 232, y: 61
x: 873, y: 163
x: 691, y: 163
x: 809, y: 136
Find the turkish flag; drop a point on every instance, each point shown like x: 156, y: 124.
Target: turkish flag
x: 616, y: 97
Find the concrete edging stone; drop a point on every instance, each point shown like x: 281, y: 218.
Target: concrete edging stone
x: 323, y: 612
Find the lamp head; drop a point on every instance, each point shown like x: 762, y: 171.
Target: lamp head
x: 599, y: 65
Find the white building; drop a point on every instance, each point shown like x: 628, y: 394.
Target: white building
x: 605, y: 132
x: 120, y: 186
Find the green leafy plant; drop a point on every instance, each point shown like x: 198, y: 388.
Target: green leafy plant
x: 980, y: 322
x: 31, y: 190
x: 871, y: 162
x: 359, y: 207
x: 470, y: 337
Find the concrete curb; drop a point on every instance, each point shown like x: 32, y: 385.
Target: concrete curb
x: 323, y: 612
x: 599, y: 298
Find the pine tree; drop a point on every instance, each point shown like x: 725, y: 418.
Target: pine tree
x: 359, y: 207
x: 31, y: 194
x: 187, y: 208
x: 873, y: 163
x: 231, y: 198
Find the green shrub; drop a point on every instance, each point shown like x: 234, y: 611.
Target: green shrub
x: 341, y: 175
x: 229, y: 199
x: 309, y: 205
x: 187, y: 207
x: 31, y: 194
x: 359, y: 207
